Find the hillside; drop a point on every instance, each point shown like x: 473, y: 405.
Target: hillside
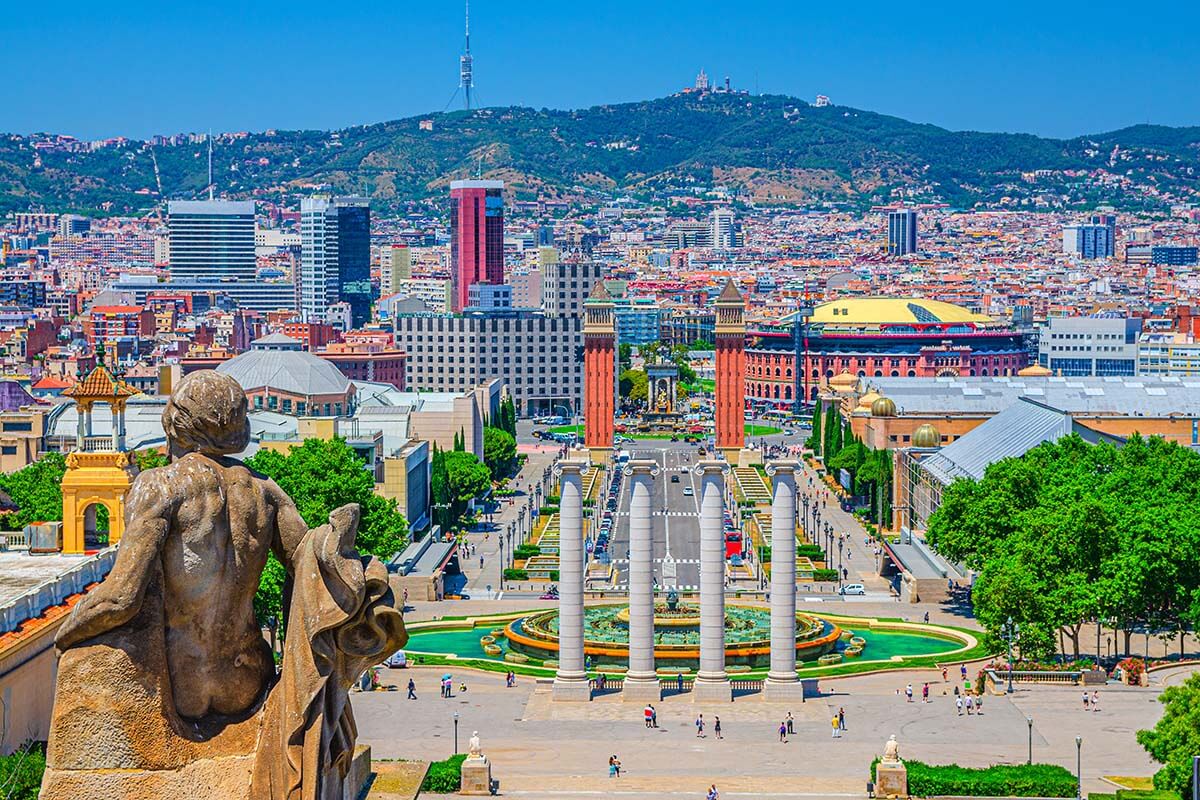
x: 773, y: 149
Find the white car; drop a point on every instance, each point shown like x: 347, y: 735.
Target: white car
x: 853, y: 588
x: 397, y: 660
x: 687, y: 491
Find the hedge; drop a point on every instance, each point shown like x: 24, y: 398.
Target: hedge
x: 1020, y: 780
x: 511, y: 574
x: 546, y: 511
x: 444, y: 777
x: 825, y: 574
x: 526, y: 551
x: 813, y: 551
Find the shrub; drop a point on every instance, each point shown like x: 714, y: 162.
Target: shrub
x: 825, y: 574
x: 1002, y: 780
x: 444, y: 777
x: 813, y: 551
x: 526, y: 551
x: 511, y: 574
x: 554, y: 575
x: 552, y: 500
x: 548, y: 510
x: 21, y: 772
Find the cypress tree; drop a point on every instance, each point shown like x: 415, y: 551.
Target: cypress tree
x: 814, y: 439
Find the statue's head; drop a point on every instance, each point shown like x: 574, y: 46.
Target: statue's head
x: 207, y: 414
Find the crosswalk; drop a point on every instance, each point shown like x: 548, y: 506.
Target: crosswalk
x: 661, y: 560
x: 668, y: 513
x: 683, y: 587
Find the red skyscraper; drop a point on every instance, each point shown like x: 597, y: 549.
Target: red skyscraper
x: 476, y: 237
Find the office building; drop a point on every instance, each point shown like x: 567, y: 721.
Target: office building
x: 395, y: 264
x: 211, y: 239
x: 1168, y: 353
x: 724, y: 232
x: 902, y: 232
x: 1174, y: 256
x: 476, y: 237
x: 1095, y: 239
x: 565, y: 285
x: 638, y: 320
x: 335, y: 257
x: 73, y: 225
x: 489, y: 296
x: 1090, y: 346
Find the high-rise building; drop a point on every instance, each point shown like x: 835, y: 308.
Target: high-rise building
x: 211, y: 239
x: 1095, y: 239
x: 1097, y: 346
x: 335, y: 257
x: 723, y: 231
x: 902, y: 232
x: 476, y: 236
x: 395, y: 264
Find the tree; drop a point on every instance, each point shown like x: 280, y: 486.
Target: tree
x: 508, y: 416
x: 499, y: 452
x: 625, y: 355
x: 467, y: 478
x: 634, y: 386
x: 439, y: 488
x: 150, y: 458
x: 36, y: 490
x: 1176, y: 738
x: 814, y: 439
x: 320, y: 475
x: 702, y: 345
x: 460, y: 441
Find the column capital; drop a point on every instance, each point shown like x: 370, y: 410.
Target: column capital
x: 641, y: 467
x: 572, y: 467
x: 785, y: 467
x: 711, y: 466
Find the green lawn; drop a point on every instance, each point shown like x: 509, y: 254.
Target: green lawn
x: 566, y: 429
x: 762, y: 430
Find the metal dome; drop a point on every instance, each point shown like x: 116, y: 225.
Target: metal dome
x: 926, y: 436
x: 883, y: 407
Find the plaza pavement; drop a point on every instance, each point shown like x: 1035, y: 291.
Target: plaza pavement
x: 543, y: 749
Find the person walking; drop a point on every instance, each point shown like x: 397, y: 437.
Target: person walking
x: 790, y: 723
x: 612, y: 766
x: 412, y: 690
x: 908, y: 693
x: 970, y: 705
x: 679, y: 682
x: 653, y: 716
x: 700, y: 727
x: 647, y: 714
x: 1086, y: 698
x: 979, y: 704
x: 717, y: 726
x: 925, y: 693
x: 959, y: 704
x: 962, y: 668
x: 713, y: 794
x: 783, y: 732
x: 1096, y: 700
x: 837, y: 731
x: 841, y: 718
x: 944, y: 678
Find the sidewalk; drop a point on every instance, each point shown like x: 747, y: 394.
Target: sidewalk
x: 486, y: 535
x: 861, y: 562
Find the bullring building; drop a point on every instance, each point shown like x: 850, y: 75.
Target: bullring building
x: 794, y: 358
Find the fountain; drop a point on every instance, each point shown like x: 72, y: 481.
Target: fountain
x: 676, y: 635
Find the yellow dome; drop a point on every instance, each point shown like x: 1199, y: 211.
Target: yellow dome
x: 883, y: 407
x: 864, y: 402
x: 894, y: 310
x: 844, y: 382
x: 1034, y: 371
x: 926, y: 436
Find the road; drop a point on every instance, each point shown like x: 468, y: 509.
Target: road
x: 675, y: 520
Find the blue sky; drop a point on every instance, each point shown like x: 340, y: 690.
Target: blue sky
x: 138, y: 68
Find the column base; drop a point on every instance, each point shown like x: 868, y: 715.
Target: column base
x: 571, y: 689
x: 776, y: 690
x: 641, y: 690
x: 712, y: 690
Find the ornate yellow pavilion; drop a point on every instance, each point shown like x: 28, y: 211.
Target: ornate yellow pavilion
x: 99, y: 470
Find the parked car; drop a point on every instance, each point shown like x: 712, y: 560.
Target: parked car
x: 397, y: 660
x: 674, y: 479
x: 853, y: 588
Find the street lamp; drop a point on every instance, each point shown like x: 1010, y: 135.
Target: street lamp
x: 1029, y: 720
x: 455, y: 733
x: 828, y: 541
x: 841, y: 544
x: 1009, y: 631
x: 1079, y: 771
x: 804, y: 502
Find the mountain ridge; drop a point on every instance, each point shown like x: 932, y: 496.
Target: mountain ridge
x: 766, y: 148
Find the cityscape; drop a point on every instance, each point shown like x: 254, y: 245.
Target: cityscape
x: 724, y: 443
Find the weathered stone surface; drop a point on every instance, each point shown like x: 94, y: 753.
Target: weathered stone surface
x: 476, y: 776
x: 165, y: 685
x: 891, y: 780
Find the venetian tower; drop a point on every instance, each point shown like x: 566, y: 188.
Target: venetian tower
x: 599, y: 341
x: 730, y: 412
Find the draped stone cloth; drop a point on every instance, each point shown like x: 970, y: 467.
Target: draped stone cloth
x: 342, y: 620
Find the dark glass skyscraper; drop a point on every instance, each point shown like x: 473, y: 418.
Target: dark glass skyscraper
x: 335, y: 256
x: 902, y: 232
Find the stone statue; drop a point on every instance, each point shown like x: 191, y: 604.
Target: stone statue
x: 166, y: 686
x: 891, y: 750
x: 473, y: 745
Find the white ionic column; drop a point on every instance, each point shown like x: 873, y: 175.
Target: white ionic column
x: 781, y: 683
x: 712, y: 682
x: 641, y: 681
x: 571, y: 681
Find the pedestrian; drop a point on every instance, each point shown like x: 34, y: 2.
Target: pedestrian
x: 462, y: 687
x: 943, y: 675
x: 783, y: 732
x: 653, y: 716
x: 970, y: 705
x: 842, y: 718
x: 979, y: 705
x: 958, y: 703
x: 405, y: 600
x: 412, y: 690
x: 617, y: 765
x: 700, y: 727
x: 679, y: 682
x: 1096, y: 700
x: 837, y: 731
x: 481, y: 562
x: 717, y: 726
x: 926, y: 617
x: 925, y: 693
x: 963, y: 669
x: 612, y: 766
x: 908, y: 693
x: 647, y: 714
x: 713, y: 794
x: 1086, y: 698
x: 790, y: 723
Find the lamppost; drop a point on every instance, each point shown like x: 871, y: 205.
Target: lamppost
x: 1009, y: 631
x: 1079, y: 771
x: 841, y: 544
x: 455, y: 733
x: 1029, y: 720
x: 804, y: 502
x: 828, y: 541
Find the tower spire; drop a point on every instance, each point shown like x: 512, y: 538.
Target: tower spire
x: 466, y: 81
x: 210, y: 180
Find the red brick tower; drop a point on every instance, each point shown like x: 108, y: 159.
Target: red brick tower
x: 731, y: 372
x: 599, y: 338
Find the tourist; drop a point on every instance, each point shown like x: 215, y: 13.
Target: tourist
x: 1086, y: 698
x: 653, y: 716
x: 1096, y: 700
x: 842, y: 718
x: 481, y: 562
x: 679, y: 682
x: 713, y: 794
x: 648, y: 714
x: 700, y: 727
x: 790, y: 723
x: 926, y: 617
x: 908, y: 693
x: 462, y: 687
x: 944, y: 678
x: 970, y: 705
x: 958, y: 701
x: 963, y: 669
x: 511, y: 680
x: 405, y: 600
x: 612, y: 766
x: 837, y: 730
x: 979, y: 704
x: 617, y: 765
x: 783, y: 732
x: 925, y: 693
x: 717, y: 726
x: 412, y: 690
